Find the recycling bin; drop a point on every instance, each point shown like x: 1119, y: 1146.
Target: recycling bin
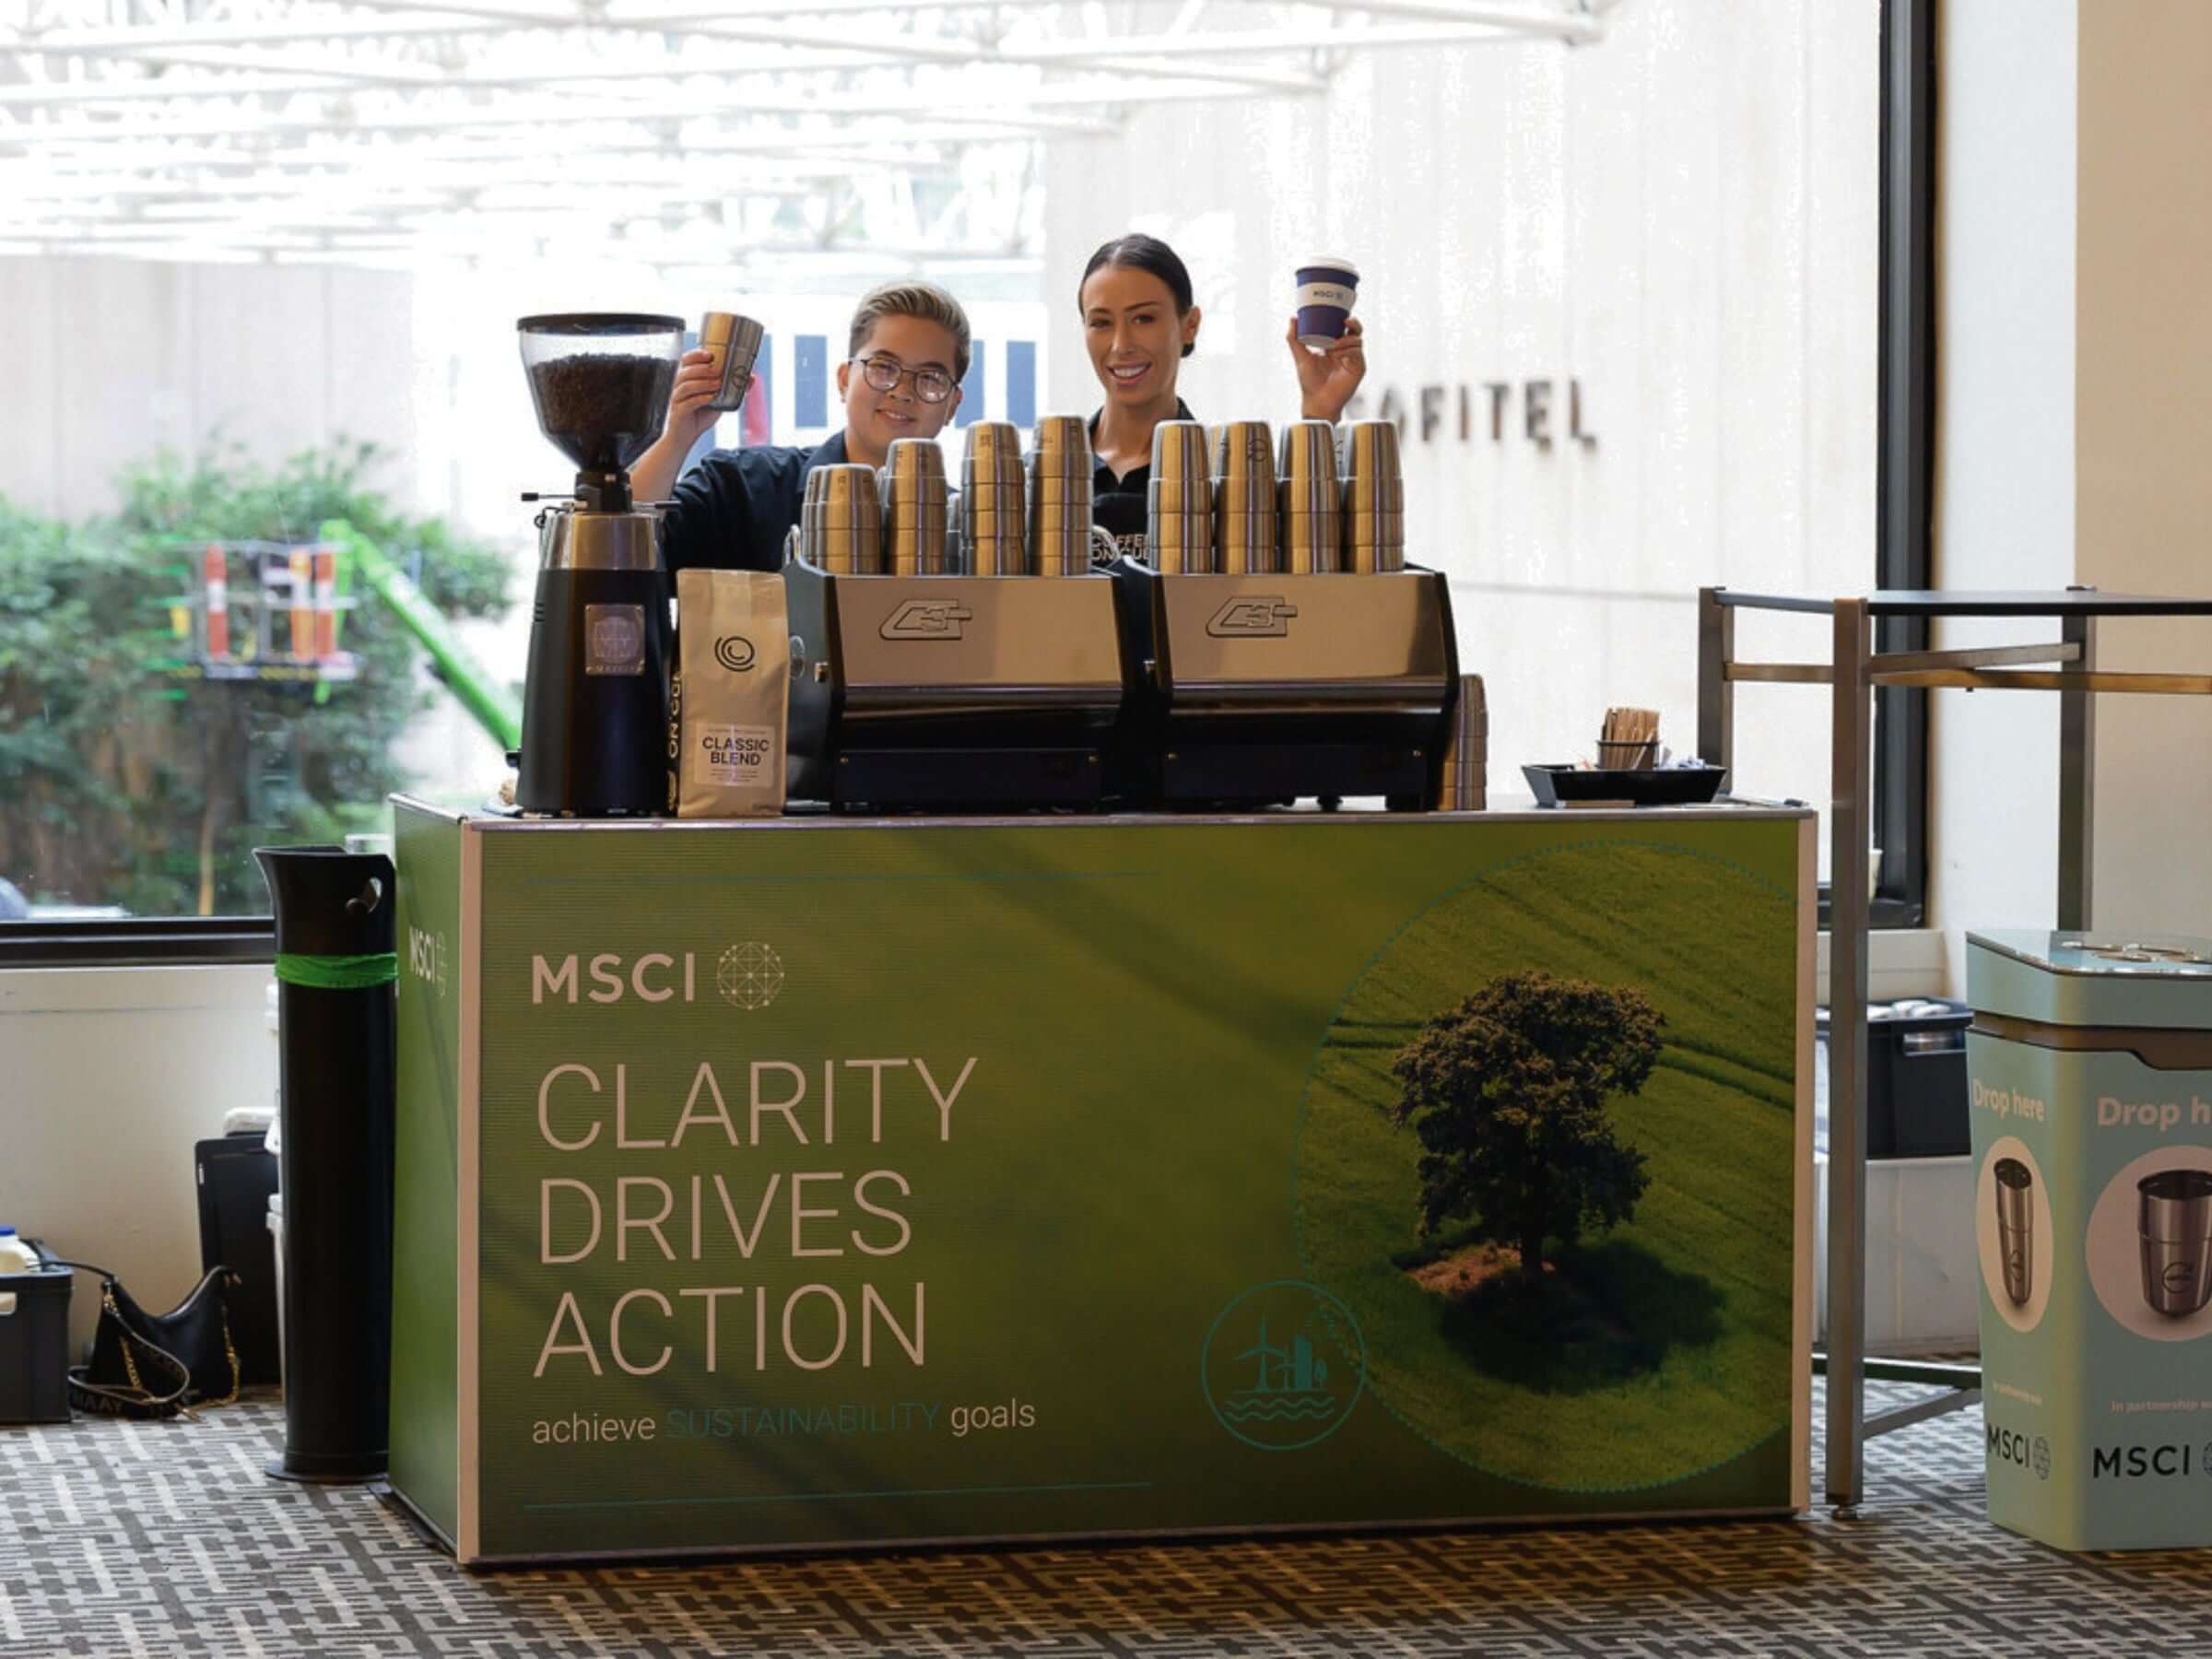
x: 337, y: 965
x: 2089, y: 1063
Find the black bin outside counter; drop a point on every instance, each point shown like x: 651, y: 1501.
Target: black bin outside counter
x: 336, y: 972
x: 1916, y: 1081
x: 34, y: 1342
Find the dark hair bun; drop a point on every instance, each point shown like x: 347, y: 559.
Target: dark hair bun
x: 1141, y: 252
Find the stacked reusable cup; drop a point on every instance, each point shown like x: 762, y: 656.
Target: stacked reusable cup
x: 841, y: 521
x: 914, y: 508
x: 1310, y: 504
x: 1244, y: 508
x: 1059, y: 497
x: 1374, y: 498
x: 1179, y: 499
x: 992, y: 487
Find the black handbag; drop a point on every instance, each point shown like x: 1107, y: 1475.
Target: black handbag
x: 157, y: 1365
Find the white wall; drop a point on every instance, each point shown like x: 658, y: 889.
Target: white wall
x: 2143, y: 430
x: 106, y: 1077
x: 110, y: 359
x: 2004, y: 495
x: 1682, y: 216
x: 2076, y: 271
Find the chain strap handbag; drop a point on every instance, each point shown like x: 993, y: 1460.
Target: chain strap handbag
x: 157, y: 1365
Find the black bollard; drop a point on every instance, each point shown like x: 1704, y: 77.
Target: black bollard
x: 335, y: 969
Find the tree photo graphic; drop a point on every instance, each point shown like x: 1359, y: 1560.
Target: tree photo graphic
x: 1507, y: 1093
x: 1547, y: 1160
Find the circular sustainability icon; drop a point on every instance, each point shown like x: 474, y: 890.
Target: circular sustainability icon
x: 1282, y: 1365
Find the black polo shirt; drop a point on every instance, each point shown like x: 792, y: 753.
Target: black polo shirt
x: 734, y: 510
x: 1121, y: 507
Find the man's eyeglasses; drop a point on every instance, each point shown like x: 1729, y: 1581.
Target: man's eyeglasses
x: 883, y: 373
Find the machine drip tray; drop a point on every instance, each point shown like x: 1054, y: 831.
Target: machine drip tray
x: 971, y: 778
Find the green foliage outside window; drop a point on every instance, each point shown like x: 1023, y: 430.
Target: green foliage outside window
x: 125, y: 782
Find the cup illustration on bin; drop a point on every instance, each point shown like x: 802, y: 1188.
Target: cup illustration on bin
x: 2174, y: 1215
x: 2016, y: 1229
x: 1326, y: 287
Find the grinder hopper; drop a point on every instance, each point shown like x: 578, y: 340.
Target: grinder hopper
x: 600, y: 382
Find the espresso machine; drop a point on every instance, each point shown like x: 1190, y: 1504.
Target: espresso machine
x: 1286, y: 649
x: 595, y: 704
x: 943, y: 660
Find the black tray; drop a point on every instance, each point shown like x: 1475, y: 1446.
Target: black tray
x: 1670, y: 786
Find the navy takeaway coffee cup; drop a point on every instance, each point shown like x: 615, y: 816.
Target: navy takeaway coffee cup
x: 1326, y: 287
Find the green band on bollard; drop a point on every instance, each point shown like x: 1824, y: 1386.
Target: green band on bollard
x: 339, y: 973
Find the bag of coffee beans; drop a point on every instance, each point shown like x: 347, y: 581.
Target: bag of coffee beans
x: 728, y: 700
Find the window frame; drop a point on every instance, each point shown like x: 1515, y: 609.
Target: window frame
x: 1905, y: 445
x: 137, y: 941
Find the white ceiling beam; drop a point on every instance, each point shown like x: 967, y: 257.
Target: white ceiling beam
x: 1038, y: 110
x: 388, y: 129
x: 166, y: 91
x: 1531, y: 22
x: 432, y: 24
x: 917, y: 146
x: 328, y: 67
x: 1240, y: 44
x: 730, y: 22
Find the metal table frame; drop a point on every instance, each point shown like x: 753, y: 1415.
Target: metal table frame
x: 1855, y: 671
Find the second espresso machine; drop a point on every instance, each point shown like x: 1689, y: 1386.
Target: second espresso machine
x: 954, y: 656
x: 1286, y: 648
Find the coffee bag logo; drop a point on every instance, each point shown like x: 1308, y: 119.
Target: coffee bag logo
x: 750, y: 975
x: 927, y: 619
x: 735, y: 652
x: 1259, y: 617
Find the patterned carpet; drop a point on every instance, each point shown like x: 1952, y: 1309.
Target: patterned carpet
x: 119, y: 1539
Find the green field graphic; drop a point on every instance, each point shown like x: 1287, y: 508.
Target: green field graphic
x: 1657, y: 1350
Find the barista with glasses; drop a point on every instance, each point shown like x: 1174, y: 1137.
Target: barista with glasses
x: 906, y: 355
x: 1140, y: 320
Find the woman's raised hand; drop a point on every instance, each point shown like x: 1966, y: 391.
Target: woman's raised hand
x: 1326, y: 380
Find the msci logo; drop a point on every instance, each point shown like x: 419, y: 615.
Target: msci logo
x: 2007, y: 1446
x: 2136, y: 1462
x: 654, y: 977
x: 427, y: 957
x: 749, y: 975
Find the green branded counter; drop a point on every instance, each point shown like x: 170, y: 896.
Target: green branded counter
x: 813, y: 1182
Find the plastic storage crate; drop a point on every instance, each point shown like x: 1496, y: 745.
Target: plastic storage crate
x: 34, y: 1343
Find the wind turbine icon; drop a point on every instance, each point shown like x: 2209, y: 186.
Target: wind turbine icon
x: 1295, y: 1370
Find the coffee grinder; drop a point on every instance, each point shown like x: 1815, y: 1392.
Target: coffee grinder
x: 595, y: 704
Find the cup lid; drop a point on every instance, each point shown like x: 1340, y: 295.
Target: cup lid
x: 1329, y: 262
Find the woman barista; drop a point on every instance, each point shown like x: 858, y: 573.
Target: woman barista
x: 1139, y: 322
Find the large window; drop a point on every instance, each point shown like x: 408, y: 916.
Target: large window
x: 1633, y: 276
